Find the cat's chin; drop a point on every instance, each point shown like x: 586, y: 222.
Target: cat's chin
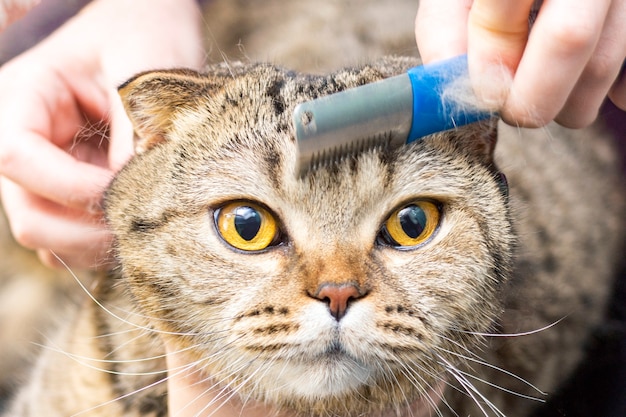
x: 330, y: 374
x: 424, y: 406
x: 336, y: 375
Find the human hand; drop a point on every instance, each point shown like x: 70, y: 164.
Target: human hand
x: 63, y: 131
x: 562, y: 69
x: 11, y: 10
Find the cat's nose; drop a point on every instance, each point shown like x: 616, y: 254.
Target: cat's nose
x: 338, y: 297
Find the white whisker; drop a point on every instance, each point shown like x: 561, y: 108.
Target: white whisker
x: 528, y: 333
x: 470, y: 389
x: 496, y: 368
x: 528, y: 397
x: 120, y: 397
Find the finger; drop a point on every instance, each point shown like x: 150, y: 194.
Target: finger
x: 121, y: 145
x: 12, y: 11
x: 71, y: 261
x: 498, y: 31
x: 51, y: 102
x: 617, y: 94
x: 585, y: 100
x: 39, y: 126
x: 441, y: 28
x: 497, y: 35
x: 36, y: 224
x: 46, y: 170
x: 558, y: 50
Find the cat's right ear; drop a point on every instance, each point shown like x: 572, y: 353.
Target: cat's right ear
x: 152, y: 99
x: 477, y: 140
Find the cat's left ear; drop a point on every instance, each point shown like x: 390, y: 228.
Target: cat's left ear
x: 151, y: 100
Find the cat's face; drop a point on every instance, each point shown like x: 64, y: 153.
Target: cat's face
x: 355, y: 287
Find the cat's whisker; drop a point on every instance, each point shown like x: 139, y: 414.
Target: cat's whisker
x: 104, y: 308
x: 225, y: 394
x: 131, y: 340
x: 395, y: 381
x: 172, y: 372
x: 129, y: 394
x: 117, y: 316
x: 461, y: 346
x: 470, y: 389
x: 84, y: 359
x: 496, y: 368
x: 528, y: 397
x: 527, y: 333
x: 472, y: 392
x: 436, y: 375
x: 424, y: 387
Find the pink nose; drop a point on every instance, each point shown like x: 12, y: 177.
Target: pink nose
x: 338, y: 297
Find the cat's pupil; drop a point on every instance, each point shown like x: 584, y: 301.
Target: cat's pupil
x: 247, y: 222
x: 413, y: 221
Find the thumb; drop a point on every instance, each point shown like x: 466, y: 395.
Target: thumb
x: 121, y: 140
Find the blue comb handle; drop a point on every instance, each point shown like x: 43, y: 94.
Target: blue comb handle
x: 430, y: 112
x: 390, y: 112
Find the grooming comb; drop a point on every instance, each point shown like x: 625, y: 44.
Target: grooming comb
x: 387, y: 113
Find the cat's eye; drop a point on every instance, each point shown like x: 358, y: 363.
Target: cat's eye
x: 246, y: 226
x: 410, y: 225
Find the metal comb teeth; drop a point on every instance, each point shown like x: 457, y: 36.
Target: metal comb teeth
x: 335, y: 156
x: 332, y: 127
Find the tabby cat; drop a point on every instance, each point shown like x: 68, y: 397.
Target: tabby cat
x: 400, y: 282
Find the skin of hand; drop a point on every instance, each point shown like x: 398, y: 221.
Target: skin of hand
x: 63, y: 131
x: 561, y: 70
x: 11, y: 10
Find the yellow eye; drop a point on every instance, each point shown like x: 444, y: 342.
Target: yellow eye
x: 246, y: 226
x: 411, y: 225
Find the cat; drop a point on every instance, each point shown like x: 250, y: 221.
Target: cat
x: 458, y: 275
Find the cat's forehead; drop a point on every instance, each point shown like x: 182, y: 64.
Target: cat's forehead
x: 247, y: 121
x: 252, y: 143
x: 222, y: 137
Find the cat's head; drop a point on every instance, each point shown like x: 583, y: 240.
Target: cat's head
x: 354, y: 287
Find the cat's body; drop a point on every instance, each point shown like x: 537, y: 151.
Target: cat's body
x: 331, y: 318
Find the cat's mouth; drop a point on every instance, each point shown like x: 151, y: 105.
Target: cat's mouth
x: 336, y: 349
x: 336, y: 353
